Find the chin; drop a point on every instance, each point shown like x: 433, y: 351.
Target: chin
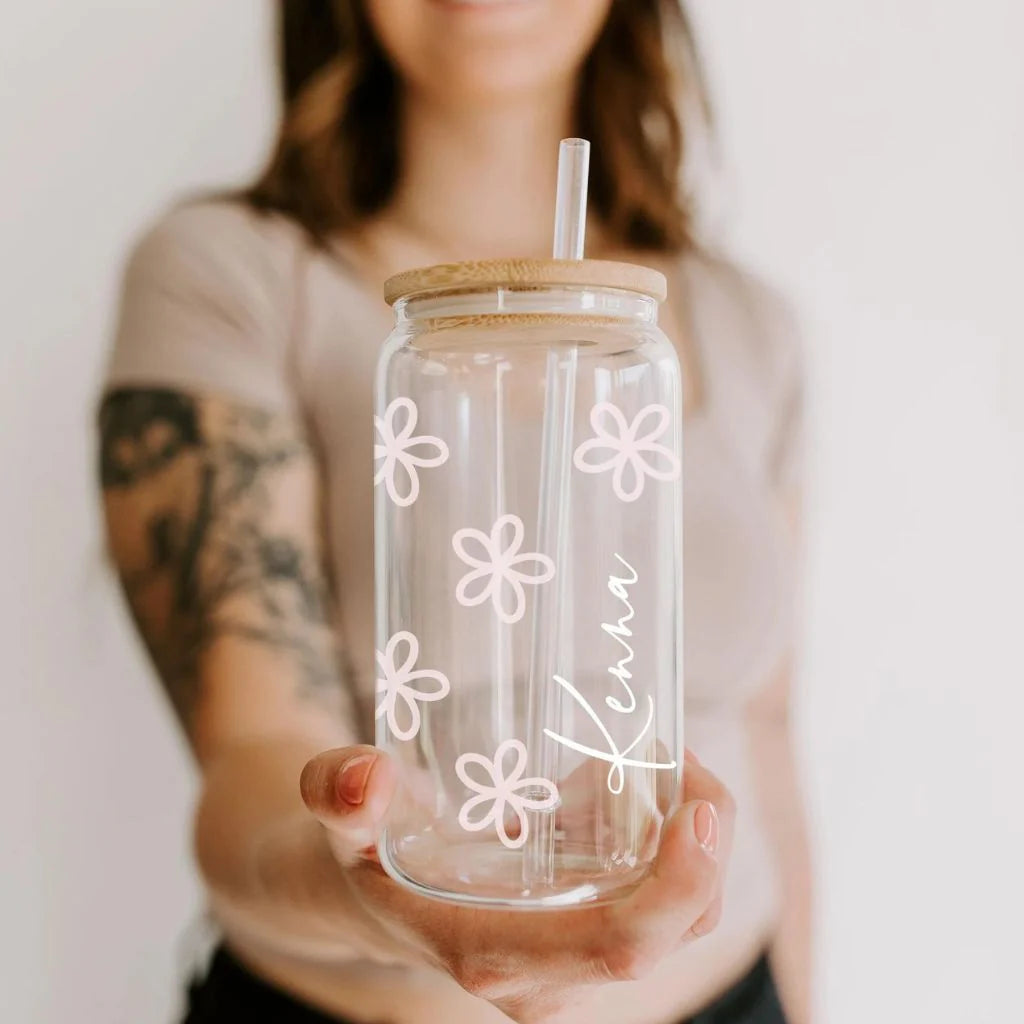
x: 485, y: 77
x: 486, y: 49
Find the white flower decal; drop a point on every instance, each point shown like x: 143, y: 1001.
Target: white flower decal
x: 635, y: 451
x: 394, y: 448
x: 397, y: 693
x: 495, y: 568
x: 501, y: 791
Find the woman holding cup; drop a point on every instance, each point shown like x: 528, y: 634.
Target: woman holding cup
x: 235, y: 432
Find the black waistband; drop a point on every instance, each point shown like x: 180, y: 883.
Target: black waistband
x: 751, y: 1000
x: 230, y: 993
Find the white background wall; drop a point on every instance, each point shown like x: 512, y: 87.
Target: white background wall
x: 875, y: 154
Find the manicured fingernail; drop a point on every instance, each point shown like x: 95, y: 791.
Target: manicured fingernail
x: 353, y: 778
x: 705, y: 826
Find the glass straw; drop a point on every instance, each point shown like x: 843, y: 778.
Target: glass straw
x: 544, y: 697
x: 571, y: 200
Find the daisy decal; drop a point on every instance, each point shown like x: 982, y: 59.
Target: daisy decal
x: 499, y: 792
x: 498, y: 570
x: 398, y: 470
x: 399, y: 699
x: 630, y: 450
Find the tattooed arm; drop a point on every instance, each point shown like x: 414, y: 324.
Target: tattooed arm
x: 214, y: 525
x: 213, y: 515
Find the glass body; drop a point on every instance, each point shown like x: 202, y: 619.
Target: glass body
x: 529, y: 592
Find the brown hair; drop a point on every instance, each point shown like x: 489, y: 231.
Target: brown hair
x: 336, y: 158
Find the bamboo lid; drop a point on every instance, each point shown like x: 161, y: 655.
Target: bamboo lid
x: 524, y: 273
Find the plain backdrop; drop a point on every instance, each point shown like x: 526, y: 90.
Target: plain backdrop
x: 872, y: 160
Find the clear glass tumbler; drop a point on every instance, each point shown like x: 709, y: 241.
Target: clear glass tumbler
x: 529, y: 579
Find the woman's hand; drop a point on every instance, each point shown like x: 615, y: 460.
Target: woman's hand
x: 530, y: 965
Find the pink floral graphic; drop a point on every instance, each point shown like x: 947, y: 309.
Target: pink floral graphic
x: 399, y: 700
x: 634, y: 451
x: 494, y: 572
x: 395, y: 449
x: 501, y: 791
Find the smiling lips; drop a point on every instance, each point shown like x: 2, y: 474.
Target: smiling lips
x: 481, y: 3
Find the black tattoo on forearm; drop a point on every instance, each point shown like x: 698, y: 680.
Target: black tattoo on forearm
x: 208, y: 560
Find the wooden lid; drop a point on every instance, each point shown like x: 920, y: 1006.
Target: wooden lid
x: 524, y: 273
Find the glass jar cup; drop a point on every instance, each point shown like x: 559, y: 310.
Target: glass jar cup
x: 528, y: 532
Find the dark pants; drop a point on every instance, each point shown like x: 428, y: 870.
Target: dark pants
x: 229, y: 994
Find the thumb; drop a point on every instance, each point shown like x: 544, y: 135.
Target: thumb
x: 678, y: 892
x: 349, y: 791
